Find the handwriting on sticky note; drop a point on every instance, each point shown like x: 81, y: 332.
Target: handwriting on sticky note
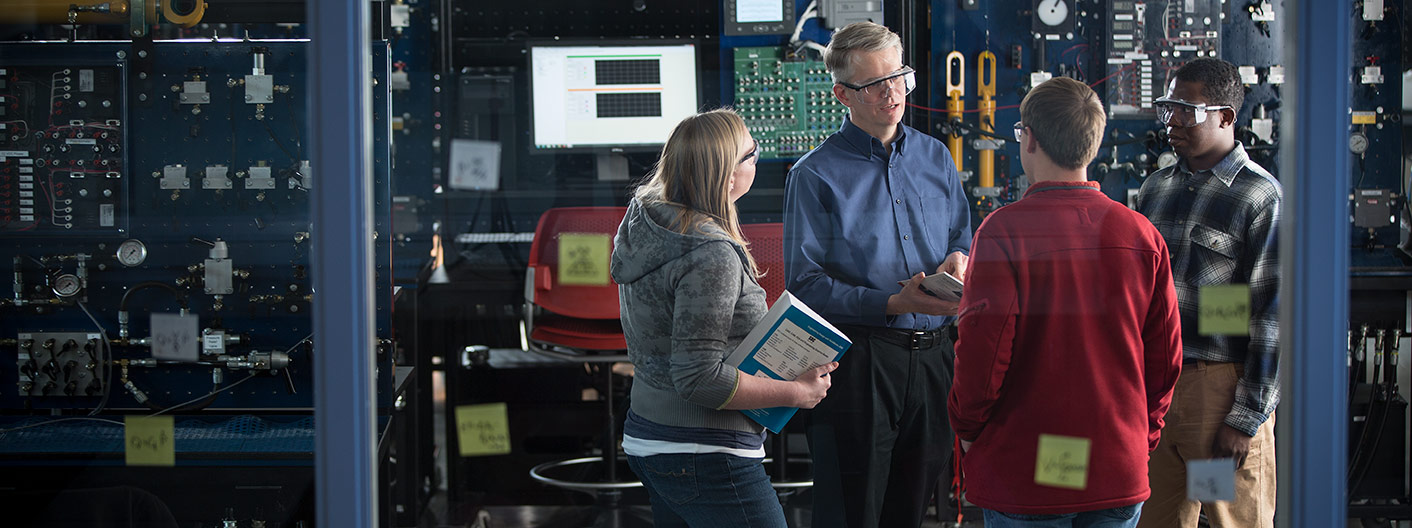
x: 1210, y: 480
x: 475, y: 165
x: 175, y: 337
x: 1062, y: 462
x: 583, y: 258
x: 483, y: 429
x: 1224, y: 310
x: 149, y: 441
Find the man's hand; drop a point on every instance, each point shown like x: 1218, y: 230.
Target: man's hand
x: 1231, y: 443
x: 955, y: 264
x: 913, y: 300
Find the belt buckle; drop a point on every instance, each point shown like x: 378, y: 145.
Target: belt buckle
x: 917, y: 337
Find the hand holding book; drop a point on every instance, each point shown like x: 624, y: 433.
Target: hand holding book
x: 941, y: 285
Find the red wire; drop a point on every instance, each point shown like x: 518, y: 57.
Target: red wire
x: 1072, y: 48
x: 1114, y: 74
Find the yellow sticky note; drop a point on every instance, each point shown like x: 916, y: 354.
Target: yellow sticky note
x: 483, y: 429
x: 583, y: 259
x: 1062, y: 462
x: 1224, y: 309
x: 149, y: 441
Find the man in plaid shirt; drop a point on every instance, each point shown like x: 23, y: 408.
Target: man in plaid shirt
x: 1218, y: 212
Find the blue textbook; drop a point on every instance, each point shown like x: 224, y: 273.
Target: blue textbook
x: 790, y: 340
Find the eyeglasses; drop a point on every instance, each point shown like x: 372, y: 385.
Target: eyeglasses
x: 875, y: 91
x: 754, y: 154
x: 1182, y: 114
x: 1019, y: 130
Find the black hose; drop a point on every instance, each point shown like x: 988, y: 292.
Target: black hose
x: 180, y: 297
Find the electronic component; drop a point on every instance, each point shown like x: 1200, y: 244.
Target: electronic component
x: 787, y: 102
x: 1372, y: 208
x: 839, y: 13
x: 610, y: 97
x: 1053, y: 19
x: 1146, y: 44
x: 759, y: 17
x: 62, y: 165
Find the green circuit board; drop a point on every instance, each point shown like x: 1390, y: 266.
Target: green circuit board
x: 787, y: 101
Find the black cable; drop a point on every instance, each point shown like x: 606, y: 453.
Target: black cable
x: 180, y: 297
x: 298, y: 144
x: 279, y: 143
x: 200, y: 402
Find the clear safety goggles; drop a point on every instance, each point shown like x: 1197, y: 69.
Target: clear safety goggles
x: 1178, y: 113
x: 875, y: 91
x: 753, y: 155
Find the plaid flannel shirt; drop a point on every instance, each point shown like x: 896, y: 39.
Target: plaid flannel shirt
x: 1221, y: 228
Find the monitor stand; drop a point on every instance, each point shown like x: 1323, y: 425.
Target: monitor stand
x: 612, y: 167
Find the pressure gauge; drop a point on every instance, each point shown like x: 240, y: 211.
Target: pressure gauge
x: 67, y: 285
x: 132, y: 252
x: 1166, y: 159
x: 1052, y: 12
x: 1358, y: 143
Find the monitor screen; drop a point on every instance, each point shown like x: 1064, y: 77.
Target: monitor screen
x: 610, y: 96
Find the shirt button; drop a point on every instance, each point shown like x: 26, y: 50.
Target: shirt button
x: 1190, y: 188
x: 899, y: 200
x: 906, y: 237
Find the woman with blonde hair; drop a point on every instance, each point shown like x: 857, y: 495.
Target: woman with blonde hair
x: 689, y: 295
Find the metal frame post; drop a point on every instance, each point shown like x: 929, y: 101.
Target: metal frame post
x: 340, y: 103
x: 1313, y: 421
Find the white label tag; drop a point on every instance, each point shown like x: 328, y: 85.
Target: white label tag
x: 1210, y: 480
x: 176, y: 337
x: 475, y: 165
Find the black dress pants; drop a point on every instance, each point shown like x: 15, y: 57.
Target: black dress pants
x: 881, y: 438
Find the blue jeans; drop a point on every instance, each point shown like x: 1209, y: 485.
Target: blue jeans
x: 1120, y: 517
x: 707, y: 490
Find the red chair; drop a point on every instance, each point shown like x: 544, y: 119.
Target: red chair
x: 571, y: 303
x: 767, y: 246
x: 571, y: 313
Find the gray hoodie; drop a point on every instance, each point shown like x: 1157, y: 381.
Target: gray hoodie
x: 687, y: 302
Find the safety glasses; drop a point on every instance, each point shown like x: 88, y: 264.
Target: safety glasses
x: 1179, y: 113
x: 875, y: 91
x: 753, y: 155
x: 1019, y: 130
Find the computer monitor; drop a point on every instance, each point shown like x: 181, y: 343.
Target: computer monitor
x: 610, y: 97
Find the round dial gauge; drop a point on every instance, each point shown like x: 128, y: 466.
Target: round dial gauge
x: 132, y: 252
x: 1358, y: 143
x: 67, y: 285
x: 1053, y: 12
x: 1166, y: 159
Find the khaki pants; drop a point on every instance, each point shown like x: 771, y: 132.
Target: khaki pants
x: 1203, y: 397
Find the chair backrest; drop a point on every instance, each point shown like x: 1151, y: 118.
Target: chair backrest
x: 568, y: 262
x: 767, y: 246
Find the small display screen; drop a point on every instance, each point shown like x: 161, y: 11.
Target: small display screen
x: 753, y: 11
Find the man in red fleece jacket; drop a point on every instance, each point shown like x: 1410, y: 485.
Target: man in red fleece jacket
x: 1070, y: 338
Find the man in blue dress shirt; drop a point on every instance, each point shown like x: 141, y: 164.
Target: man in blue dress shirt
x: 878, y: 202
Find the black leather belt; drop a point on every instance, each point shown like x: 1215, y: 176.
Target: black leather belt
x: 911, y: 339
